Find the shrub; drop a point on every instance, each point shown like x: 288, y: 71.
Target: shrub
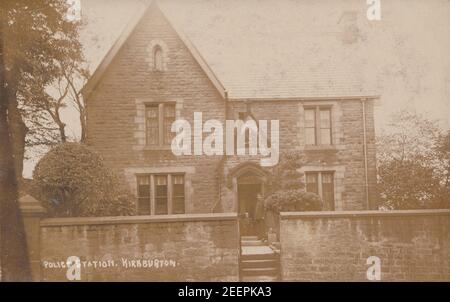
x: 288, y: 192
x: 71, y: 180
x: 292, y: 201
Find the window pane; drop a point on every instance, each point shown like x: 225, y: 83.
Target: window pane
x: 158, y: 59
x: 169, y: 118
x: 328, y: 191
x: 325, y: 118
x: 152, y: 125
x: 327, y: 178
x: 310, y: 118
x: 311, y: 183
x: 178, y: 179
x: 325, y: 136
x: 161, y: 194
x: 310, y: 136
x: 178, y: 194
x: 143, y: 192
x: 144, y: 206
x: 325, y: 126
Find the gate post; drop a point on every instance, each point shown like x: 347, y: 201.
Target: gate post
x: 32, y: 212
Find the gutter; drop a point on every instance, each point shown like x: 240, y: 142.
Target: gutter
x: 306, y: 99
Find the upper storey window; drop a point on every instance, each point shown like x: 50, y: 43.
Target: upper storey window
x: 157, y: 55
x: 318, y: 125
x: 158, y: 63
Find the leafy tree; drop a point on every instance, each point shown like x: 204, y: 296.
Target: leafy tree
x: 407, y: 184
x: 443, y: 170
x: 413, y: 164
x: 39, y: 44
x: 73, y: 181
x: 408, y: 136
x: 14, y: 264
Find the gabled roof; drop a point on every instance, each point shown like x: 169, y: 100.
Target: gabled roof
x: 102, y: 67
x: 261, y: 50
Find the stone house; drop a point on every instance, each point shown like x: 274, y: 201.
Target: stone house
x: 156, y: 73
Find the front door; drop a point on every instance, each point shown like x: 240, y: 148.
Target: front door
x: 247, y: 198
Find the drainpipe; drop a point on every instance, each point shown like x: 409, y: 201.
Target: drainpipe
x: 221, y: 162
x: 363, y: 103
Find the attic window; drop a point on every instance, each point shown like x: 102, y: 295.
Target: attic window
x: 157, y: 55
x: 158, y: 58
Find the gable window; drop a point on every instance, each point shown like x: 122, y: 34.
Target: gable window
x: 161, y: 194
x: 158, y: 58
x: 322, y: 183
x: 318, y: 125
x: 159, y: 119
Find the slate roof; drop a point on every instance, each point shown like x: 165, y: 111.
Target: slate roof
x: 261, y: 49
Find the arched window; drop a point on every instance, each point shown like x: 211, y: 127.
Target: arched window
x: 158, y: 60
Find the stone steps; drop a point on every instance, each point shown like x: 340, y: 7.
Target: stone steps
x: 252, y: 243
x: 258, y: 261
x: 259, y: 279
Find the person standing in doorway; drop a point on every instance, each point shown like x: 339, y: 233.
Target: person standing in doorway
x: 260, y: 213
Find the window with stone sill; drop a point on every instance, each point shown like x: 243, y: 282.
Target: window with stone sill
x: 318, y: 126
x: 322, y: 183
x: 160, y: 194
x: 158, y: 120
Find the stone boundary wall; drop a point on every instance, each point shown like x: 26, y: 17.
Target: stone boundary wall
x: 189, y: 247
x: 331, y: 246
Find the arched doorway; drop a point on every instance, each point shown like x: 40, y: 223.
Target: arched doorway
x: 250, y: 182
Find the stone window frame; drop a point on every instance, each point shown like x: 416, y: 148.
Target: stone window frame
x: 320, y: 183
x: 170, y: 192
x: 140, y: 122
x: 338, y: 180
x: 336, y: 125
x: 188, y: 172
x: 151, y: 49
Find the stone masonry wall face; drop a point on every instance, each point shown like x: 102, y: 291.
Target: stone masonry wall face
x: 116, y: 125
x: 112, y: 109
x: 345, y: 156
x: 194, y: 251
x: 411, y: 248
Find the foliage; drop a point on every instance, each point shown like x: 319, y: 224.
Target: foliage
x: 413, y: 164
x: 40, y: 45
x: 293, y: 200
x: 73, y: 181
x: 288, y: 192
x: 408, y: 136
x: 407, y: 184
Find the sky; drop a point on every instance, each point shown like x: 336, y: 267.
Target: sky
x: 406, y: 50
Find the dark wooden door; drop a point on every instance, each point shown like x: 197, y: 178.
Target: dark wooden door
x: 247, y: 197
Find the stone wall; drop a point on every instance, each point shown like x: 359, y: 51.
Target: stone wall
x: 201, y: 247
x: 332, y: 246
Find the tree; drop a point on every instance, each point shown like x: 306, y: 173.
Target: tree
x: 408, y: 136
x: 73, y: 181
x: 39, y: 43
x: 14, y: 265
x: 407, y: 184
x: 443, y: 170
x: 412, y: 164
x: 78, y: 75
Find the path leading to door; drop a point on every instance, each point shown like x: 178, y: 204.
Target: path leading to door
x: 258, y: 261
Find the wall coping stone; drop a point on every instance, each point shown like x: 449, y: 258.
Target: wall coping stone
x: 358, y: 214
x: 74, y: 221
